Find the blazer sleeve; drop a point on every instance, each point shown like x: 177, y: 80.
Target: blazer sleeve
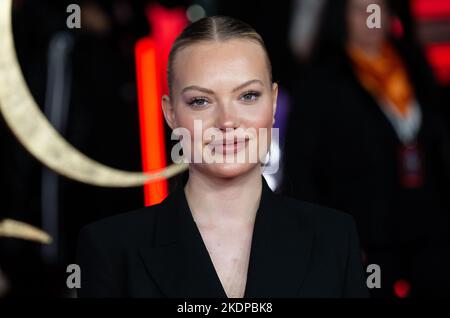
x: 355, y: 279
x: 96, y: 267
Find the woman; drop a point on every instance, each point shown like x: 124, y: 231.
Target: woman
x: 224, y: 233
x: 373, y: 146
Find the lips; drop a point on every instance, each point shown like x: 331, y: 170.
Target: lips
x: 228, y: 141
x: 229, y: 146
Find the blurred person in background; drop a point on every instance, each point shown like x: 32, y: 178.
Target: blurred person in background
x: 365, y: 137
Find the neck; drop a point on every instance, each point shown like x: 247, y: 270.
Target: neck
x: 224, y: 201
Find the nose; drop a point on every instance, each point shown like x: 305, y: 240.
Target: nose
x: 227, y: 118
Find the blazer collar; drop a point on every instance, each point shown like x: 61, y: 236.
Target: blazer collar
x: 180, y: 265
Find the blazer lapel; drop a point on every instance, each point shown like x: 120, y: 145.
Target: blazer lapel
x: 281, y: 248
x: 180, y: 265
x: 179, y: 262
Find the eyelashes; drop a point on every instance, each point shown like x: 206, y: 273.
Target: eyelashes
x: 254, y: 95
x: 199, y: 102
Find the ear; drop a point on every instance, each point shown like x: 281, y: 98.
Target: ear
x: 274, y: 99
x: 169, y: 113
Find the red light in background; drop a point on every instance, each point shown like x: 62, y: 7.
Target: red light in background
x: 397, y: 28
x: 439, y: 57
x: 150, y: 117
x: 166, y: 25
x: 431, y: 9
x: 435, y: 13
x: 402, y: 288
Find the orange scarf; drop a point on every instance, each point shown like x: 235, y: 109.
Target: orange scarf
x: 384, y: 76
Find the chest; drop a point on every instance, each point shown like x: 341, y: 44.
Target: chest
x: 229, y: 252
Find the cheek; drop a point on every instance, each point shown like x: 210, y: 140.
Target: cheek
x: 262, y: 123
x: 186, y: 119
x: 260, y: 117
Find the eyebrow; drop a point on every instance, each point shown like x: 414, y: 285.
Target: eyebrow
x: 208, y: 91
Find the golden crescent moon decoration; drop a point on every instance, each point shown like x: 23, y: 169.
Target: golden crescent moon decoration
x: 20, y: 230
x: 40, y: 138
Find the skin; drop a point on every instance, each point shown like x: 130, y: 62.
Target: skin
x: 359, y: 35
x: 215, y: 82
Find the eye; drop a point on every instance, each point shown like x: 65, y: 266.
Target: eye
x: 250, y: 96
x: 198, y: 102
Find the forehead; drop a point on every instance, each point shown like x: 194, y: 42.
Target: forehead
x: 210, y: 62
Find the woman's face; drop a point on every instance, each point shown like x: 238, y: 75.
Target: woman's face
x: 224, y: 87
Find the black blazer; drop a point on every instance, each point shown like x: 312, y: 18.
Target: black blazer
x: 298, y: 250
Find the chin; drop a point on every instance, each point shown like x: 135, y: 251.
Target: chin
x: 227, y: 170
